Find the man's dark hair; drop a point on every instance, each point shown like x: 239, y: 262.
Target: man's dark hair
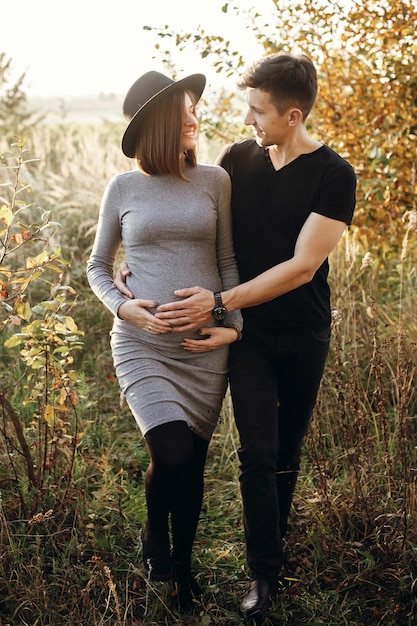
x: 289, y: 80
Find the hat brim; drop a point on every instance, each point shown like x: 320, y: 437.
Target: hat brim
x: 194, y: 83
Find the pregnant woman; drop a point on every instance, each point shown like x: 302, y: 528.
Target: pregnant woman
x: 172, y: 217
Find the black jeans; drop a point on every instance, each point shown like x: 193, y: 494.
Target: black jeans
x: 274, y: 380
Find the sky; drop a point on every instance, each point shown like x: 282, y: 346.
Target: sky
x: 88, y: 47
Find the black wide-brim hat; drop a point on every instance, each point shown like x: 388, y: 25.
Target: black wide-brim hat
x: 144, y: 93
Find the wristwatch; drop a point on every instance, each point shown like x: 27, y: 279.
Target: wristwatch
x: 219, y: 312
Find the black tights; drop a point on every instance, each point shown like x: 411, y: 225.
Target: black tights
x: 175, y: 483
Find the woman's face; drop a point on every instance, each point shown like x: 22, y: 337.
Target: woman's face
x: 190, y: 124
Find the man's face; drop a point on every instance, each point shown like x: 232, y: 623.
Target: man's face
x: 271, y: 128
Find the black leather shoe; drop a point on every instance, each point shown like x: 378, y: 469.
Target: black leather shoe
x: 258, y: 600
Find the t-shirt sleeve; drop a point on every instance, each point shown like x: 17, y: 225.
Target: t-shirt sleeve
x: 337, y: 196
x: 223, y: 159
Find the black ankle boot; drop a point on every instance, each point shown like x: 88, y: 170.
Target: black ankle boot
x: 156, y: 555
x: 188, y: 590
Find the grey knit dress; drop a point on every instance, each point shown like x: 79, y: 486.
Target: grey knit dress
x: 174, y: 234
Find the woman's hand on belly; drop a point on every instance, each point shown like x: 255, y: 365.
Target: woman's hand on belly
x: 136, y: 312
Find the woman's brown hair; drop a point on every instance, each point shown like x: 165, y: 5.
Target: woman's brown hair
x: 159, y: 142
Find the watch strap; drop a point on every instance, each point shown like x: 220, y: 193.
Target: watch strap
x: 218, y: 298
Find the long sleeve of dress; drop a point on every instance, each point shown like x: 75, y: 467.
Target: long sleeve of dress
x: 100, y: 266
x: 226, y: 259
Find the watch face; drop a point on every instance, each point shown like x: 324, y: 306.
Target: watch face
x: 219, y: 312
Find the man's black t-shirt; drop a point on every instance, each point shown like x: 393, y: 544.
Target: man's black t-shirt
x: 269, y: 208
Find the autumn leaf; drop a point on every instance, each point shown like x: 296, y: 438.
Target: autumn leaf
x: 49, y: 415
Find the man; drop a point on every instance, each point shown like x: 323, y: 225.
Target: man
x: 292, y: 198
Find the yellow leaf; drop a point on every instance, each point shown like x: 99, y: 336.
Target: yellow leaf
x: 24, y: 311
x: 49, y: 415
x: 24, y: 282
x: 35, y: 262
x: 6, y: 214
x: 60, y: 328
x: 14, y: 340
x: 62, y: 396
x: 71, y: 325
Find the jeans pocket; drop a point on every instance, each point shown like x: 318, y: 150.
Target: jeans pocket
x: 322, y: 336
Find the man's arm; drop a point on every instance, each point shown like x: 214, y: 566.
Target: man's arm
x: 318, y: 237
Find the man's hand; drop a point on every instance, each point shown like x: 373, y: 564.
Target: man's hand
x: 192, y: 312
x: 120, y: 280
